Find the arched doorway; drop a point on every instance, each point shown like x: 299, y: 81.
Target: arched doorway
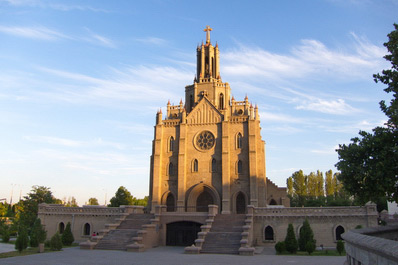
x: 269, y: 233
x: 339, y: 231
x: 182, y: 233
x: 170, y: 203
x: 240, y: 203
x: 203, y: 201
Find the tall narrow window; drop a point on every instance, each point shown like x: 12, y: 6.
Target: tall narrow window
x: 87, y: 229
x: 269, y: 233
x: 191, y: 102
x: 61, y: 227
x: 240, y: 167
x: 195, y: 165
x: 171, y: 169
x: 239, y: 140
x: 339, y: 231
x: 213, y: 165
x: 221, y: 101
x: 171, y: 144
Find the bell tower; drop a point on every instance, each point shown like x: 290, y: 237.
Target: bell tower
x: 207, y: 81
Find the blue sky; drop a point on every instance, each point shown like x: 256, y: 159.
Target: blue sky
x: 81, y: 81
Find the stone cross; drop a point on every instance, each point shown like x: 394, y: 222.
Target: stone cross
x: 208, y: 29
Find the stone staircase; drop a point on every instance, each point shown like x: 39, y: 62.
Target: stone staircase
x: 125, y: 233
x: 225, y: 234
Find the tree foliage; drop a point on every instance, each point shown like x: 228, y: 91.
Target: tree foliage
x: 290, y: 240
x: 56, y: 242
x: 369, y: 164
x: 38, y: 234
x: 122, y: 197
x: 67, y: 235
x: 22, y: 239
x: 340, y: 246
x: 280, y: 247
x: 93, y: 201
x: 306, y: 235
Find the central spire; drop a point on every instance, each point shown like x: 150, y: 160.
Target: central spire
x: 207, y: 30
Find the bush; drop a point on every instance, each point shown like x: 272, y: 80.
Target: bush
x: 38, y: 234
x: 306, y: 235
x: 67, y: 236
x: 5, y: 234
x: 310, y: 247
x: 340, y: 246
x: 47, y: 243
x: 56, y: 242
x: 290, y: 240
x: 358, y: 227
x: 280, y: 247
x: 22, y: 240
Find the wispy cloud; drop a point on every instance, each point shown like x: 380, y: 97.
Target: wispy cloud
x: 41, y: 33
x: 73, y: 143
x: 99, y: 39
x: 325, y: 151
x: 52, y: 5
x: 338, y: 106
x: 152, y: 40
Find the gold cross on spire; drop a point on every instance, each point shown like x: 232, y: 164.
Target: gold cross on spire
x: 208, y: 29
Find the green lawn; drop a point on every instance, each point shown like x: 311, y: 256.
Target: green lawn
x: 29, y: 251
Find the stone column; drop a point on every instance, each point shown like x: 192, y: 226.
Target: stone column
x: 226, y: 174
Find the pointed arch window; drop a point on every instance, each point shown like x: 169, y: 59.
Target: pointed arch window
x: 61, y: 227
x: 239, y: 140
x: 269, y: 233
x: 240, y: 167
x: 171, y: 144
x: 221, y: 101
x: 195, y: 165
x: 171, y: 169
x: 213, y: 165
x: 87, y: 229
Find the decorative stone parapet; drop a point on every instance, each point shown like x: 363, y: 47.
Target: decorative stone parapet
x: 246, y: 248
x: 369, y: 246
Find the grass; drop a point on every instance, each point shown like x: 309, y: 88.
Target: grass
x: 327, y: 252
x: 30, y: 251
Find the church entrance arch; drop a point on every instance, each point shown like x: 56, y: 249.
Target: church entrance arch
x: 200, y: 196
x: 182, y: 233
x: 240, y: 203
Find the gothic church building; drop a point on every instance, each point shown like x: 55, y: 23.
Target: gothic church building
x: 209, y: 150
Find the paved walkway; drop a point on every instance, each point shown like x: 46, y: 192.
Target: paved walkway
x: 161, y: 255
x: 6, y: 248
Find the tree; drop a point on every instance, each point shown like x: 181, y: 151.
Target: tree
x: 340, y: 246
x: 280, y: 247
x: 289, y: 185
x: 290, y: 240
x: 28, y: 207
x: 67, y: 235
x: 22, y: 239
x: 122, y: 197
x: 369, y: 164
x: 93, y: 201
x: 38, y: 234
x: 329, y: 183
x: 71, y: 202
x: 56, y: 242
x: 306, y: 235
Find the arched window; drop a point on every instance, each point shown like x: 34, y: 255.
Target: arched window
x: 239, y: 140
x: 87, y: 229
x: 339, y: 231
x: 171, y: 169
x: 221, y: 101
x: 269, y: 233
x: 272, y: 202
x: 213, y: 165
x: 170, y: 204
x: 61, y: 227
x: 240, y: 167
x: 171, y: 144
x: 195, y: 165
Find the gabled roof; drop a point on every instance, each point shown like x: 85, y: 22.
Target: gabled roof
x: 204, y: 113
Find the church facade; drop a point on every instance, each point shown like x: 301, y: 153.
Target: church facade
x: 210, y: 150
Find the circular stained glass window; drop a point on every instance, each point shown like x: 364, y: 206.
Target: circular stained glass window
x: 205, y: 140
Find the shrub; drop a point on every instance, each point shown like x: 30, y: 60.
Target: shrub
x: 358, y: 227
x: 306, y: 235
x: 56, y: 242
x: 280, y: 247
x: 67, y: 236
x: 22, y: 240
x: 5, y: 234
x: 340, y: 246
x: 38, y: 234
x: 310, y: 247
x: 47, y: 243
x: 290, y: 240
